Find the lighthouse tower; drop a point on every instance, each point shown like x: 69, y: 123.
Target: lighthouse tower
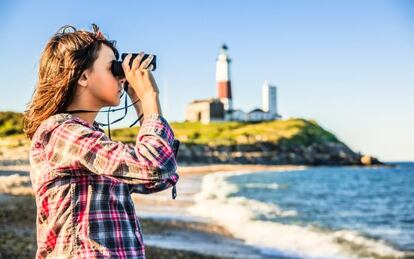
x: 223, y: 79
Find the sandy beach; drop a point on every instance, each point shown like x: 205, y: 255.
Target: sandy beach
x: 170, y: 231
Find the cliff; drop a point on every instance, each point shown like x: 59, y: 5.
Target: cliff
x: 293, y: 141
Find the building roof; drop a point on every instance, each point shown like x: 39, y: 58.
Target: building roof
x: 257, y: 110
x: 208, y: 100
x: 234, y: 110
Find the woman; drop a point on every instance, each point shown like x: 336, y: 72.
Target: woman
x: 81, y: 179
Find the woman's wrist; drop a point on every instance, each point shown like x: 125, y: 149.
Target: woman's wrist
x: 151, y: 104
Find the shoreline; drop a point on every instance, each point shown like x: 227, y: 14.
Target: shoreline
x: 206, y: 235
x: 174, y: 211
x: 167, y: 226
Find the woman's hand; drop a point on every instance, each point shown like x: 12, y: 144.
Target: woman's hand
x: 140, y: 77
x: 143, y: 86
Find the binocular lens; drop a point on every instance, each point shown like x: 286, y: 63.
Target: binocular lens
x: 117, y: 69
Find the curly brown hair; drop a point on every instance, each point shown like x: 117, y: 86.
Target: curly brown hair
x: 66, y: 55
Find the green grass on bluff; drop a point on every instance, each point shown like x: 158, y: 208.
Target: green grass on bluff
x: 11, y: 123
x: 291, y: 131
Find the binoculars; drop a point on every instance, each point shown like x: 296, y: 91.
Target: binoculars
x: 117, y: 69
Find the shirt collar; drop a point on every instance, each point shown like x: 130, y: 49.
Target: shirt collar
x: 65, y: 115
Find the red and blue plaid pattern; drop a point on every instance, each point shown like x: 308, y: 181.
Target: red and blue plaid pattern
x: 83, y: 180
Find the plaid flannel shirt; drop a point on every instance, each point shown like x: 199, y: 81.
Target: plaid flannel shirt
x: 83, y: 181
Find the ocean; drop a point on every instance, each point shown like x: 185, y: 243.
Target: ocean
x: 317, y: 212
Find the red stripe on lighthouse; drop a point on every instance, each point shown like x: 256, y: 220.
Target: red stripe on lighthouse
x: 224, y: 89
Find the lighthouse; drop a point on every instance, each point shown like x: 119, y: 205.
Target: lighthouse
x: 223, y: 79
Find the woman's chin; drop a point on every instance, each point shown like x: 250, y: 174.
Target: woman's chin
x: 117, y: 101
x: 113, y: 103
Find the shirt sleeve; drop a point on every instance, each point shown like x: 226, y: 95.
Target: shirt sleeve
x: 152, y: 187
x: 151, y: 161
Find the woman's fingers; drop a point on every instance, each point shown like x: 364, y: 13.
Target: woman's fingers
x: 137, y: 60
x: 125, y: 64
x: 139, y: 75
x: 147, y: 61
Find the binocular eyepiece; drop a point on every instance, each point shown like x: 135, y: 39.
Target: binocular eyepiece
x: 117, y: 69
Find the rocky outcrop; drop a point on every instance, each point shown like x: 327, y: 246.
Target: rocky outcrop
x: 328, y: 153
x: 266, y: 153
x: 369, y: 160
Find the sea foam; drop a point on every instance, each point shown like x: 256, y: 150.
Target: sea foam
x: 241, y: 216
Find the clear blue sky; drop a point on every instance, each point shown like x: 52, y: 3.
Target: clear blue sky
x: 347, y: 64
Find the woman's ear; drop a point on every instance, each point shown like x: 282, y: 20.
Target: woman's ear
x: 83, y: 79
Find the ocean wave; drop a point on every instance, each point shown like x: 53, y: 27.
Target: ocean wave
x: 242, y: 216
x: 272, y: 186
